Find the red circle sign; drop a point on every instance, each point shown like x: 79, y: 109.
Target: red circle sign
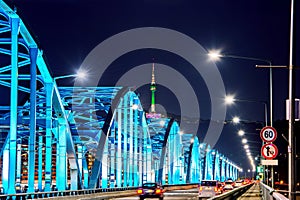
x: 268, y: 134
x: 269, y: 151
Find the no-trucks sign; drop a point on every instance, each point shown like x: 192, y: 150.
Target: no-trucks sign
x: 269, y: 151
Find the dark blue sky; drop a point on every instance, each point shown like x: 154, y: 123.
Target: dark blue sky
x: 67, y: 30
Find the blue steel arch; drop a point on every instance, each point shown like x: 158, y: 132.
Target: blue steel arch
x: 54, y: 128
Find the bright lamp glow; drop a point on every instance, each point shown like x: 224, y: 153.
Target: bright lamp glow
x: 229, y: 99
x: 244, y: 141
x: 241, y: 132
x: 236, y: 120
x: 246, y: 146
x: 81, y: 74
x: 214, y: 55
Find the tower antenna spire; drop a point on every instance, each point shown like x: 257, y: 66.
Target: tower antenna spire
x: 153, y: 89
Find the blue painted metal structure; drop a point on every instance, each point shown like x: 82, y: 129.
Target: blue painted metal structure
x: 69, y: 138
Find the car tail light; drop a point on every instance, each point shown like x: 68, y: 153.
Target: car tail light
x: 158, y: 191
x: 140, y: 191
x: 200, y: 188
x: 216, y: 189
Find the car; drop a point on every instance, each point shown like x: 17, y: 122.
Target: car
x: 220, y: 187
x: 151, y: 190
x: 238, y: 183
x: 228, y: 185
x: 209, y: 188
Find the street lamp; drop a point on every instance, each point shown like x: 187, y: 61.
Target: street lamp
x: 229, y: 99
x: 216, y: 55
x: 79, y: 74
x: 241, y: 132
x: 236, y: 120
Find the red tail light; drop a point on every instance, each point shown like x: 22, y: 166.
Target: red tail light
x: 158, y: 191
x: 140, y: 191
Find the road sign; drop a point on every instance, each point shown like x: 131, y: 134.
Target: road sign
x: 269, y: 151
x: 268, y: 134
x: 269, y: 162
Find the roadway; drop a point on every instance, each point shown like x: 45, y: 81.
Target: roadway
x: 169, y: 195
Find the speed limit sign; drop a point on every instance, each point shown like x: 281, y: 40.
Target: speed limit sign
x: 268, y: 134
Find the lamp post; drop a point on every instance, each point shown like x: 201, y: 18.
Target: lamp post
x: 215, y: 55
x: 231, y: 99
x: 292, y: 141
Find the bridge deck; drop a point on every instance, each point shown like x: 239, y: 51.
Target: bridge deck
x: 252, y: 193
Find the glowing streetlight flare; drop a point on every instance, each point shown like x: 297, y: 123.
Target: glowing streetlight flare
x: 244, y: 141
x: 229, y: 99
x: 236, y: 120
x: 241, y: 132
x: 214, y: 55
x: 81, y: 74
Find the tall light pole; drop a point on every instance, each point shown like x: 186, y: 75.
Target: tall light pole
x: 230, y: 99
x: 215, y: 55
x: 292, y: 144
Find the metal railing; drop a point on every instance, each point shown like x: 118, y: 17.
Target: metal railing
x: 270, y: 193
x: 233, y: 194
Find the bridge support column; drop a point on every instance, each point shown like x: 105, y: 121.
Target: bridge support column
x: 112, y: 175
x: 119, y: 147
x: 5, y: 167
x: 61, y: 162
x: 105, y: 167
x: 125, y: 141
x: 86, y: 173
x: 135, y: 150
x: 80, y: 157
x: 14, y: 22
x: 48, y: 154
x: 32, y: 136
x: 131, y: 140
x: 40, y: 163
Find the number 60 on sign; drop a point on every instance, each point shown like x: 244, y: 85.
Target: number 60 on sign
x: 268, y: 134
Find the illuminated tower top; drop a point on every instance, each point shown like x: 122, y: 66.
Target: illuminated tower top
x: 153, y: 89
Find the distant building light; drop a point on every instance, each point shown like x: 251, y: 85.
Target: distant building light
x: 153, y: 115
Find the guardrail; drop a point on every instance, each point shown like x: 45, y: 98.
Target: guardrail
x: 233, y: 194
x: 107, y: 192
x: 270, y: 193
x: 266, y: 193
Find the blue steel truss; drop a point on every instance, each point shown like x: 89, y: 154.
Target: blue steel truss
x: 69, y: 138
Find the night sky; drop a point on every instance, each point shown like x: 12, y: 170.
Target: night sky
x: 68, y: 30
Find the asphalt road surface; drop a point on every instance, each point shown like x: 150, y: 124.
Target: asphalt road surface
x: 170, y: 195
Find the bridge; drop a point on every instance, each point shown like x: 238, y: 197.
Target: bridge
x: 74, y: 138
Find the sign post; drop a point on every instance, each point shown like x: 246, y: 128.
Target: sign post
x: 269, y: 151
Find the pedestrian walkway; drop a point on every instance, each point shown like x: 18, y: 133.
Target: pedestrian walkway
x: 252, y: 193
